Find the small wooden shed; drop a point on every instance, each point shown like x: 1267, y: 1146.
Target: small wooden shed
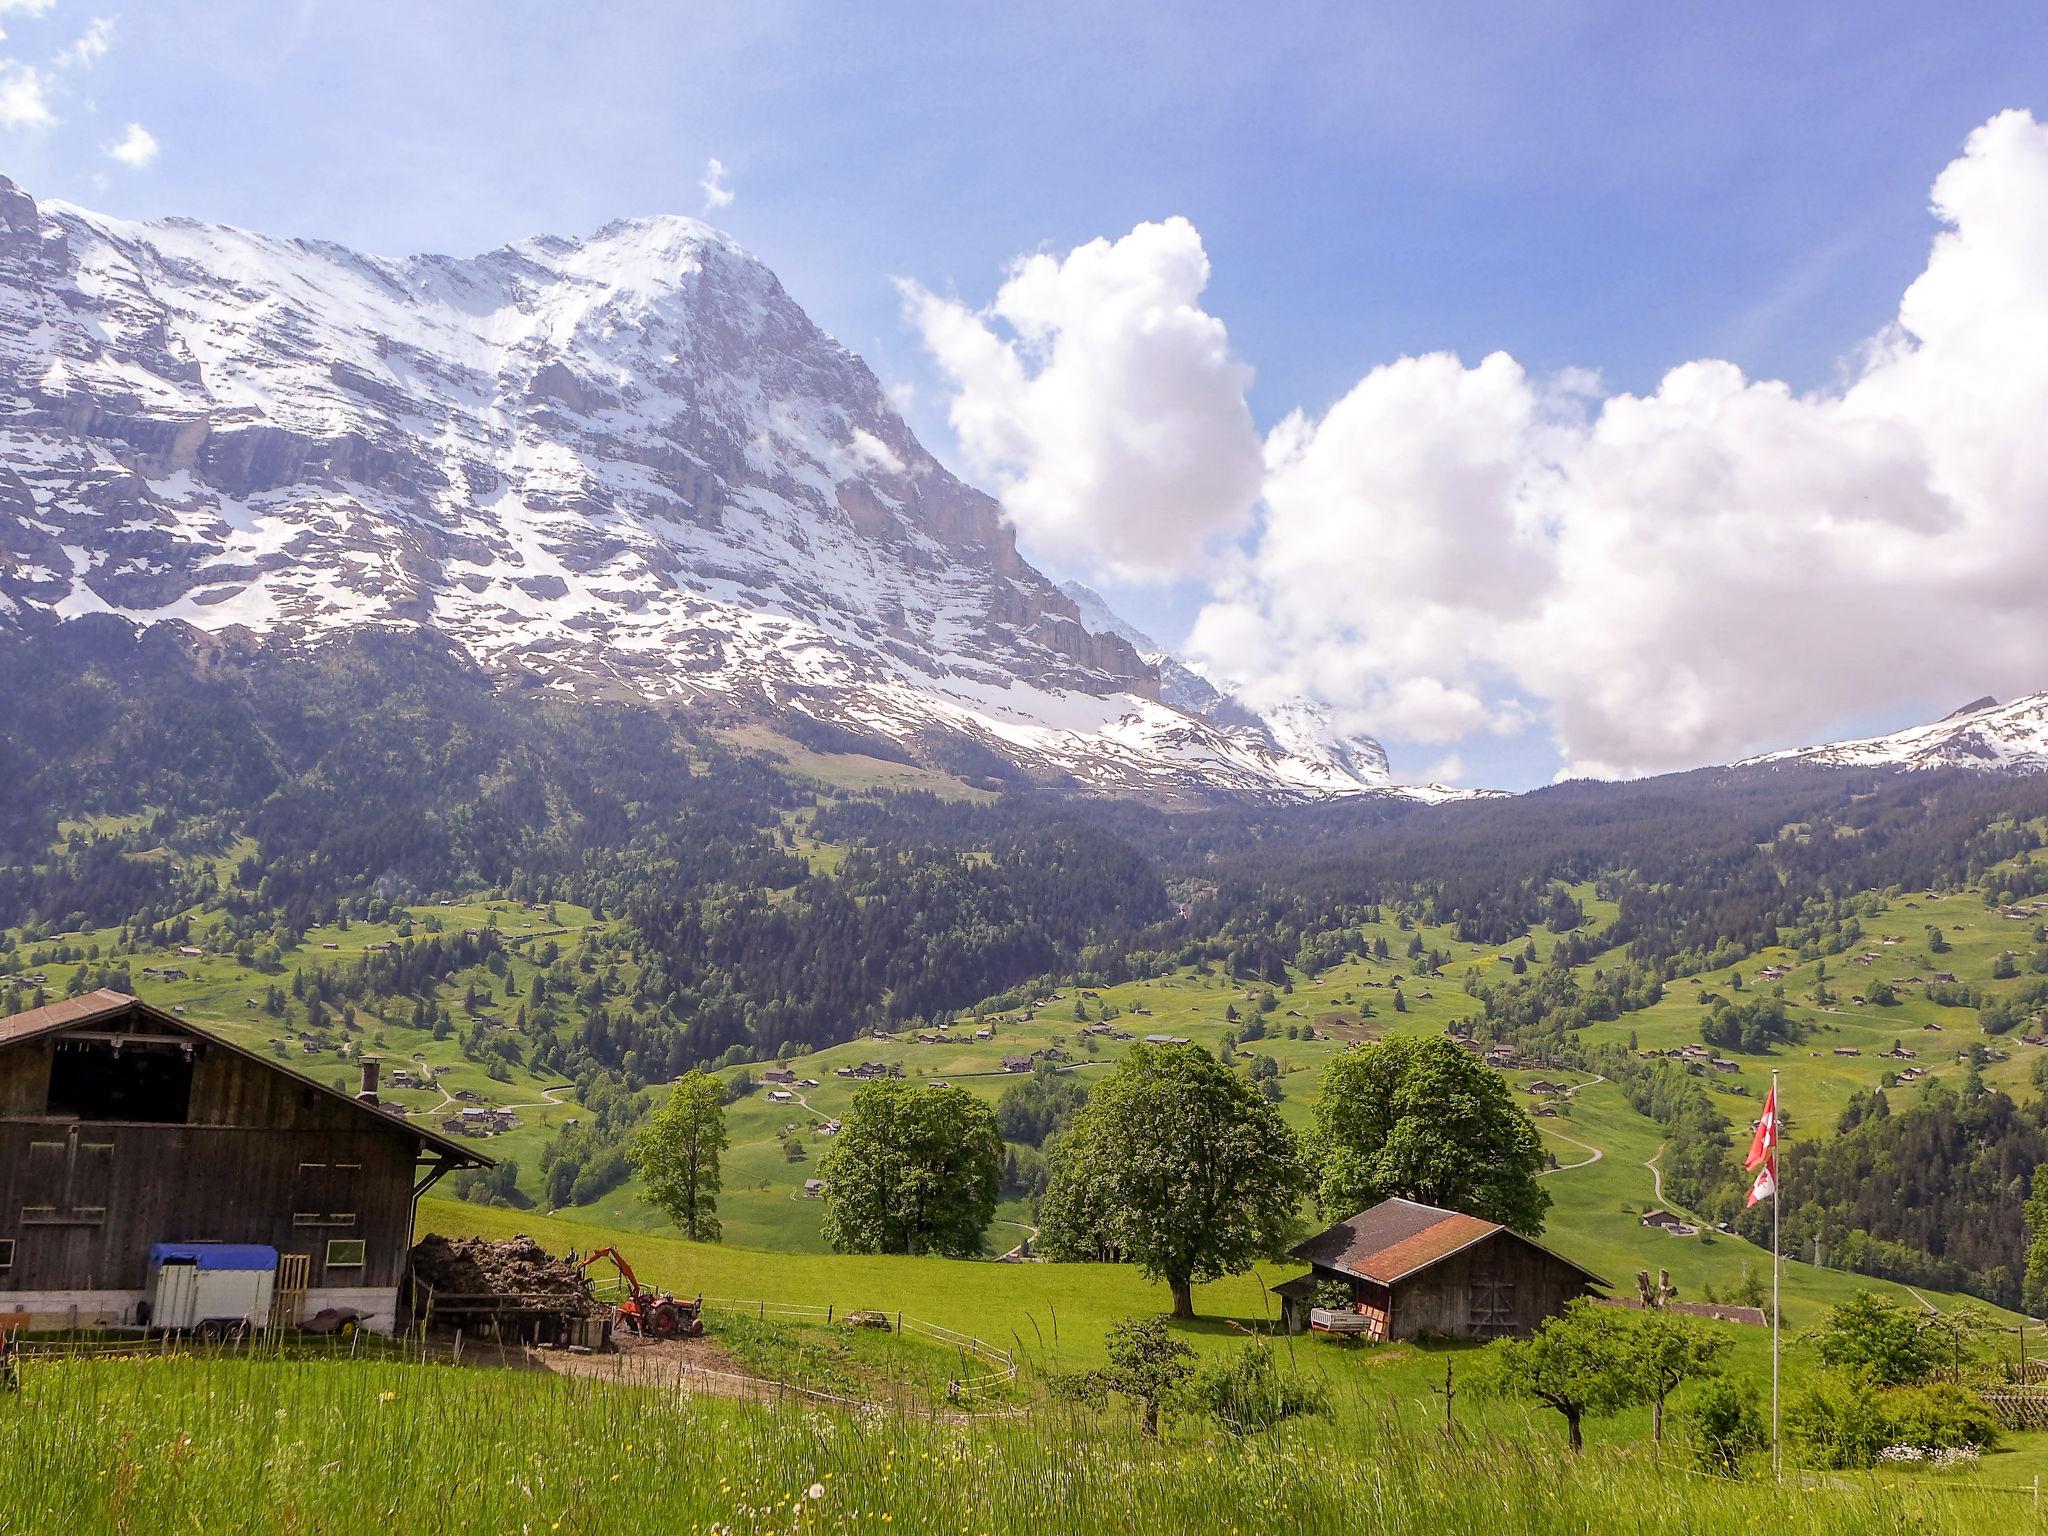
x: 1411, y: 1270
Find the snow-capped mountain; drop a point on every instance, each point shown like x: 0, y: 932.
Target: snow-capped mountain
x: 627, y: 464
x: 1986, y: 736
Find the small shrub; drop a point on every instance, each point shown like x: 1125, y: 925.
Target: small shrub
x: 1937, y: 1417
x: 1250, y: 1392
x: 1835, y: 1421
x: 1722, y: 1425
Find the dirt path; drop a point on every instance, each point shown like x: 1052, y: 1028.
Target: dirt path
x: 547, y: 1100
x: 1656, y: 1174
x: 1584, y: 1162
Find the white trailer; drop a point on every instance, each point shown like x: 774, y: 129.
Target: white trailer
x: 211, y: 1286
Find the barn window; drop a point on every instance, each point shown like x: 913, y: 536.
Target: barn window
x: 67, y: 1183
x: 98, y: 1080
x: 6, y: 1253
x: 326, y: 1195
x: 345, y: 1253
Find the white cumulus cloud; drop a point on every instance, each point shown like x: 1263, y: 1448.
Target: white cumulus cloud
x: 91, y: 47
x: 1103, y: 402
x: 24, y: 97
x: 717, y: 186
x: 27, y: 7
x: 1720, y: 565
x: 136, y: 148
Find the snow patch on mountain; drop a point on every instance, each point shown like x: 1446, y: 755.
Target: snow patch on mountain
x: 1986, y: 737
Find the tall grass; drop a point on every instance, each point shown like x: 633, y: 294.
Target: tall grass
x: 253, y: 1444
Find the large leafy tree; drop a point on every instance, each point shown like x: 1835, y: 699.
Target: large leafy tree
x: 915, y: 1170
x: 1581, y: 1363
x: 1176, y: 1164
x: 677, y: 1152
x: 1415, y: 1116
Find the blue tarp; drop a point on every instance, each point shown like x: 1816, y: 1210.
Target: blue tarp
x: 214, y: 1255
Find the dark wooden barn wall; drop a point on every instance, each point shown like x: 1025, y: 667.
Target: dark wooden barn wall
x: 1440, y: 1299
x: 83, y: 1200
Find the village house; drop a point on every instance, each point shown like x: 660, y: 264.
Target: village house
x: 1418, y: 1271
x: 1668, y: 1221
x: 778, y: 1075
x: 126, y: 1132
x: 1016, y: 1063
x: 1166, y: 1040
x: 1848, y: 1050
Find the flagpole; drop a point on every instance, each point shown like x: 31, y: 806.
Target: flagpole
x: 1777, y: 1265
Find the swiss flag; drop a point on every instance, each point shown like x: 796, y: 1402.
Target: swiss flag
x: 1766, y: 1139
x: 1766, y: 1185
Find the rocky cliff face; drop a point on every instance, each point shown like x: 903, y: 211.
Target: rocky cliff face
x: 626, y: 465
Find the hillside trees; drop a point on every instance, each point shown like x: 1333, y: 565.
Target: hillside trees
x: 1042, y: 1105
x: 1933, y: 1194
x: 916, y: 1169
x: 1419, y: 1118
x: 1176, y: 1164
x: 676, y: 1152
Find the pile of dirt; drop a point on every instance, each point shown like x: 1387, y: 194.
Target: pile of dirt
x: 517, y: 1271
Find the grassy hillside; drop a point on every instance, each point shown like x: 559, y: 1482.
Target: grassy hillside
x: 1596, y: 1199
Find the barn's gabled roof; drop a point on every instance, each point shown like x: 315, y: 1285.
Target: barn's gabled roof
x: 1388, y: 1242
x: 106, y: 1006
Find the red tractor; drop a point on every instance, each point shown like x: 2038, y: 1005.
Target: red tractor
x: 643, y: 1312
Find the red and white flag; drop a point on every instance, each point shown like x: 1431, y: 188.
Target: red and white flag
x: 1766, y: 1140
x: 1766, y: 1185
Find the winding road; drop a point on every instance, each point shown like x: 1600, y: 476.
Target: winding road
x: 1584, y: 1162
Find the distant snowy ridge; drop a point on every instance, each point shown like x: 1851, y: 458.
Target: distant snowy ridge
x: 627, y: 465
x: 1987, y: 737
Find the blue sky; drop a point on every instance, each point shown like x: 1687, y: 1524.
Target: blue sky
x: 1618, y: 187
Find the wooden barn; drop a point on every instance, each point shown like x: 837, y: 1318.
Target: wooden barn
x: 131, y: 1140
x: 1412, y: 1271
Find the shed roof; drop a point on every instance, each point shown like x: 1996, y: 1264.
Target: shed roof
x: 106, y: 1005
x: 1397, y: 1238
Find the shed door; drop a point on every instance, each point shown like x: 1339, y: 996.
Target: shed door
x: 1492, y: 1314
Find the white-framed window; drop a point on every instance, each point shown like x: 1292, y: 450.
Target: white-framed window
x: 345, y: 1253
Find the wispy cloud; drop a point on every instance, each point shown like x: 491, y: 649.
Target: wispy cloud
x: 136, y: 148
x: 24, y: 97
x: 26, y: 7
x: 91, y: 47
x: 718, y: 191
